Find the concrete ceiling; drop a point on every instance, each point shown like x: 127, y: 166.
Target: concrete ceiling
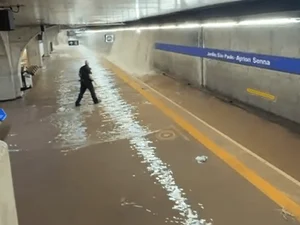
x: 94, y: 12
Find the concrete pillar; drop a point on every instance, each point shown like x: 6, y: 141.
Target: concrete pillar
x: 12, y: 45
x: 50, y: 35
x: 33, y: 53
x: 7, y: 84
x: 41, y: 47
x: 7, y: 88
x: 17, y: 45
x: 8, y: 211
x: 46, y: 45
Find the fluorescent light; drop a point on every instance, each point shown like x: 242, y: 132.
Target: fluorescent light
x: 165, y: 27
x: 112, y: 30
x: 127, y: 29
x: 150, y: 28
x: 189, y: 25
x: 220, y: 24
x: 205, y: 25
x: 96, y: 31
x: 270, y: 21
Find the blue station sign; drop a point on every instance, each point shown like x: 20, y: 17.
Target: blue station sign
x: 271, y: 62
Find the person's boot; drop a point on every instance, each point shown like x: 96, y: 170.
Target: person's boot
x: 77, y: 104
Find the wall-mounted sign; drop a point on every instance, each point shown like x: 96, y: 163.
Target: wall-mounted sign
x: 73, y: 42
x: 109, y: 38
x: 271, y: 62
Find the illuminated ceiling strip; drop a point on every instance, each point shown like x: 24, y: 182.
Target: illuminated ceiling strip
x: 260, y: 22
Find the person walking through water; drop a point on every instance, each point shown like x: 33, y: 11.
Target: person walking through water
x: 86, y: 82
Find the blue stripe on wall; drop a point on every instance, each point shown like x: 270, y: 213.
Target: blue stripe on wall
x: 277, y: 63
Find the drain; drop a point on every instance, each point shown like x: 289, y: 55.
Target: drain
x: 166, y: 135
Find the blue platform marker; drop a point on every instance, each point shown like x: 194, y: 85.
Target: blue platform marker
x: 3, y: 115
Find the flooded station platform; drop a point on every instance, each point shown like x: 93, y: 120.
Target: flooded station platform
x: 124, y: 160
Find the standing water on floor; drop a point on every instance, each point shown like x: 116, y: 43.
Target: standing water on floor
x: 73, y: 123
x: 70, y: 122
x: 123, y: 116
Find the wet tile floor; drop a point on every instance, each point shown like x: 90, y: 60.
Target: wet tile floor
x: 121, y: 161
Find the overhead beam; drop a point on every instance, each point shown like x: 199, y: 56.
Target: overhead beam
x: 226, y: 10
x: 232, y: 9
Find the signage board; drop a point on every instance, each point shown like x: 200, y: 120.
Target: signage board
x: 109, y: 38
x: 73, y: 42
x: 277, y: 63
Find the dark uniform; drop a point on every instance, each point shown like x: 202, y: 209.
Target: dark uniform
x: 86, y: 83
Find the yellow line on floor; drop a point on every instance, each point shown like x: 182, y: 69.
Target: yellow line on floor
x: 273, y: 193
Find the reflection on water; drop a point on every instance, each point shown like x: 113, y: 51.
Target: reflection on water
x: 69, y: 120
x: 125, y: 120
x: 118, y: 121
x: 74, y: 133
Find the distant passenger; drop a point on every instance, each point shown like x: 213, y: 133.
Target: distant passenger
x: 86, y: 82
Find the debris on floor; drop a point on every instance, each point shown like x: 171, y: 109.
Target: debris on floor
x: 14, y: 150
x: 286, y: 215
x: 201, y: 159
x: 201, y: 205
x: 133, y: 204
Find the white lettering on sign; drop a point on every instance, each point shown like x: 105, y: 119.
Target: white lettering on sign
x: 230, y: 57
x: 220, y: 55
x: 261, y: 61
x: 243, y: 59
x: 238, y: 58
x: 212, y: 54
x: 216, y: 55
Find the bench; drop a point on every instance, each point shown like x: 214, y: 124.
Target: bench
x: 32, y: 70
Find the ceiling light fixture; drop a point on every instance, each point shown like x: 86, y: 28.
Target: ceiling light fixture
x: 189, y: 25
x: 150, y: 28
x: 206, y: 25
x: 219, y: 24
x: 270, y: 21
x: 168, y: 26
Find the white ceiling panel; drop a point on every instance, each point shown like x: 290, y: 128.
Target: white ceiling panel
x: 97, y: 11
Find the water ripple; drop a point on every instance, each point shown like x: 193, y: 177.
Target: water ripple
x: 122, y: 114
